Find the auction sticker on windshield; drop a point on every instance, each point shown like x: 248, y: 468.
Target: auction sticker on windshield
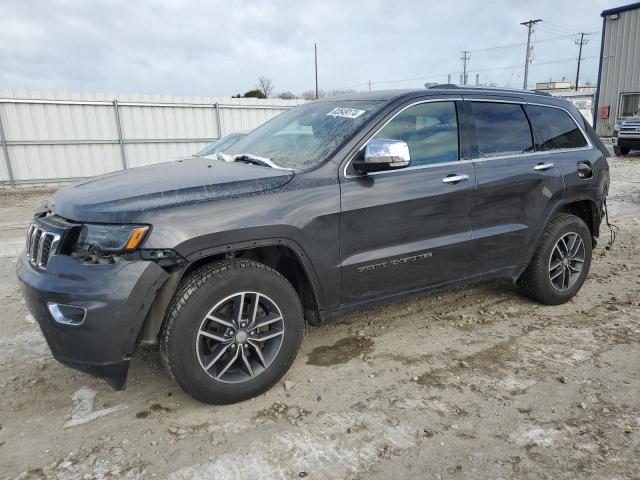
x: 345, y: 112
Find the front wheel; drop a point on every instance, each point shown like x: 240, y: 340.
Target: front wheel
x: 232, y: 331
x: 561, y: 262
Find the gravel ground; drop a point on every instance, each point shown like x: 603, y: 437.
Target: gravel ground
x: 473, y: 383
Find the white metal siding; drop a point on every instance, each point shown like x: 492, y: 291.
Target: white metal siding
x: 53, y: 137
x: 3, y: 166
x: 620, y: 64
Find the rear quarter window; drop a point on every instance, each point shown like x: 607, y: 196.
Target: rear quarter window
x: 557, y: 128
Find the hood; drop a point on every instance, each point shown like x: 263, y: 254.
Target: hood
x: 122, y: 196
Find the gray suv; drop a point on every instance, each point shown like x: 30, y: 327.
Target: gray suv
x: 334, y: 206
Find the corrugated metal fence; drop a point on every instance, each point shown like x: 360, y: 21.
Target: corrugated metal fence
x: 52, y: 138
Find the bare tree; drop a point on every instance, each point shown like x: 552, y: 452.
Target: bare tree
x: 333, y: 93
x: 311, y: 94
x: 265, y: 85
x: 286, y: 96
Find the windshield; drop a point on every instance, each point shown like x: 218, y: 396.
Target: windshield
x: 220, y: 145
x: 306, y: 135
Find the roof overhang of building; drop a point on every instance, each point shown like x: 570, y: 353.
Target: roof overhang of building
x: 624, y: 8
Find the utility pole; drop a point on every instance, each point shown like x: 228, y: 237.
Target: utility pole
x: 465, y: 59
x: 529, y: 24
x: 580, y: 42
x: 315, y: 53
x: 369, y: 85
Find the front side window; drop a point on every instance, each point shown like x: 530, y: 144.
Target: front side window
x: 557, y: 128
x: 429, y: 129
x: 502, y: 129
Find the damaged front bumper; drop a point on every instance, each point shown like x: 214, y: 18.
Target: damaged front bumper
x: 90, y: 314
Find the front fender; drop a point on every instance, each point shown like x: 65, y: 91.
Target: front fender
x: 153, y: 322
x: 211, y: 246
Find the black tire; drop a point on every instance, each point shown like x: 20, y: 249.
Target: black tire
x: 198, y: 294
x: 621, y: 151
x: 536, y: 281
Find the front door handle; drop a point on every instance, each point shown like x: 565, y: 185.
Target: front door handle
x: 455, y: 178
x: 543, y: 166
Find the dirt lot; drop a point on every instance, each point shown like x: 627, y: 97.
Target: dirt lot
x: 474, y: 383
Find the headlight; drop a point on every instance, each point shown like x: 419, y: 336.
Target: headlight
x: 112, y: 238
x: 616, y: 127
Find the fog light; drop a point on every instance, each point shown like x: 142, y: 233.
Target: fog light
x: 67, y: 314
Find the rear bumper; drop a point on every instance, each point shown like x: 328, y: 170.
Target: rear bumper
x: 116, y: 298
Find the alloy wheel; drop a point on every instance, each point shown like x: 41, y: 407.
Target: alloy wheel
x: 567, y: 259
x: 240, y: 337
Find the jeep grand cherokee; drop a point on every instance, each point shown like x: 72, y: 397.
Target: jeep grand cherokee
x: 335, y: 205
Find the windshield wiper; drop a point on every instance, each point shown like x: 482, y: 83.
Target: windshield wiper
x: 249, y: 158
x: 254, y: 160
x: 224, y: 157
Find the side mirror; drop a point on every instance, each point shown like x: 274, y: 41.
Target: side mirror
x: 383, y: 154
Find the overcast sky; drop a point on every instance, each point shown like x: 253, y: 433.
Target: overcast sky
x: 221, y: 48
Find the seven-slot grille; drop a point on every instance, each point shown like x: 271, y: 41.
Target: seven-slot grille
x: 41, y: 244
x: 630, y: 127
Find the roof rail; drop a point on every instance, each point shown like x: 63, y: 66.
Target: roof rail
x: 443, y: 85
x: 540, y: 92
x: 491, y: 89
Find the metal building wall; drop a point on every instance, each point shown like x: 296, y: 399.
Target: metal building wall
x: 620, y: 69
x: 55, y: 137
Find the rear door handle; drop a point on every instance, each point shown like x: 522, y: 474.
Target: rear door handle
x: 455, y: 178
x: 543, y: 166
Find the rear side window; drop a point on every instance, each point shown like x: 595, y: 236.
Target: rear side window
x: 430, y: 130
x: 557, y: 128
x: 502, y: 129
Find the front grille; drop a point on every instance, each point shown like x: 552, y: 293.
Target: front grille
x: 41, y: 245
x: 630, y: 128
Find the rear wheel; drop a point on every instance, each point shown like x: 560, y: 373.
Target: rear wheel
x: 561, y: 262
x: 232, y: 331
x: 620, y: 151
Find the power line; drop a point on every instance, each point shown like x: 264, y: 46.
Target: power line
x: 426, y: 77
x: 497, y: 47
x: 370, y: 83
x: 553, y: 31
x: 550, y: 62
x: 522, y: 44
x: 493, y: 69
x: 559, y: 28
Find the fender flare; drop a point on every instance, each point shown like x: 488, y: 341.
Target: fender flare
x: 563, y: 202
x: 292, y: 245
x: 153, y: 322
